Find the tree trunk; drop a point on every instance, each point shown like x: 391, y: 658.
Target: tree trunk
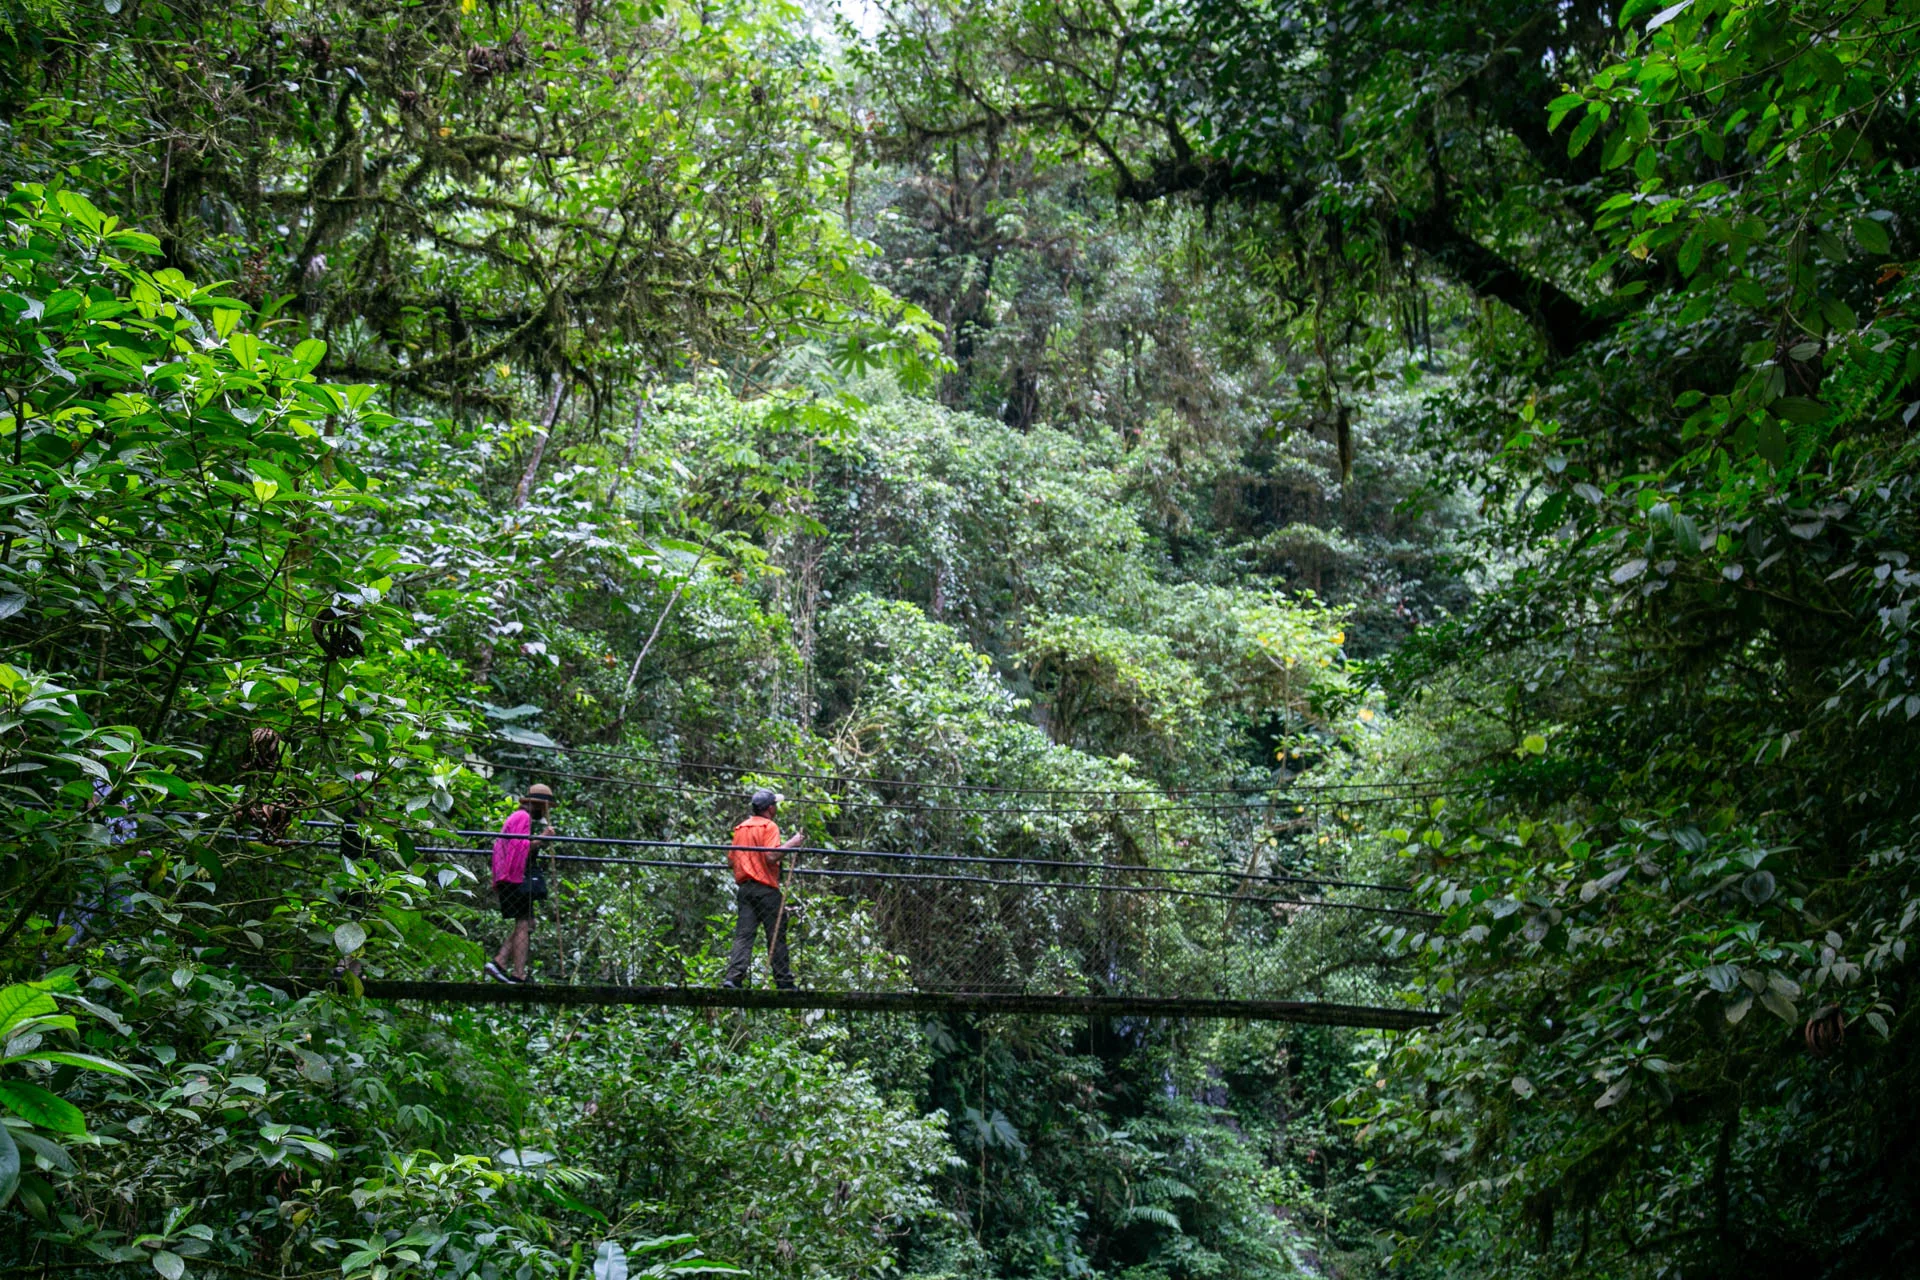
x: 527, y: 477
x: 646, y: 648
x: 633, y: 437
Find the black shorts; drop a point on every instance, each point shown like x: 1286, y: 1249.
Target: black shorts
x: 516, y: 903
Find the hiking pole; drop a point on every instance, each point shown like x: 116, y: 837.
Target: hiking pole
x: 559, y: 928
x: 789, y: 871
x: 780, y: 918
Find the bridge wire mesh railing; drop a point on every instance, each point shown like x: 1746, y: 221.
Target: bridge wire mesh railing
x: 660, y: 914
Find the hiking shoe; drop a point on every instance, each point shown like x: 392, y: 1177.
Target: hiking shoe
x: 496, y: 973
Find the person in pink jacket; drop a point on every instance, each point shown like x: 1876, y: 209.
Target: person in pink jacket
x: 512, y: 852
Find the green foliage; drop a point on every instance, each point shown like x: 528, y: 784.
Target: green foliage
x: 29, y: 1013
x: 770, y: 1152
x: 154, y: 432
x: 1092, y: 668
x: 312, y: 1132
x: 1684, y: 855
x: 455, y: 200
x: 1605, y: 312
x: 182, y: 537
x: 1696, y: 860
x: 191, y: 529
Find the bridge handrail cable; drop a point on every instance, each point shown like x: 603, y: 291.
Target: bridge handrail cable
x: 1223, y: 873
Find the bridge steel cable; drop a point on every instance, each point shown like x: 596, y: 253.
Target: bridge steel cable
x: 1225, y: 873
x: 844, y: 873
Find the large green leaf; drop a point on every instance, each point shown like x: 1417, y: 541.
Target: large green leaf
x: 20, y: 1002
x: 48, y: 1110
x: 1800, y: 409
x: 9, y: 1165
x: 86, y: 1061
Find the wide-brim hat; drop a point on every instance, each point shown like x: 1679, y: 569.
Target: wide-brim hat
x: 539, y: 791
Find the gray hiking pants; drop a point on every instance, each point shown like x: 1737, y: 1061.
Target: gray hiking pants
x: 759, y: 907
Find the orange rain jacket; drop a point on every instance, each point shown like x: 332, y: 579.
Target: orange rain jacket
x: 749, y: 861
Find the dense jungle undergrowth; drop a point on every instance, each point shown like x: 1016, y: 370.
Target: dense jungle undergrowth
x: 1503, y: 411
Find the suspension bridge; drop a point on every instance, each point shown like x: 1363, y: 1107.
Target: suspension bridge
x: 639, y: 921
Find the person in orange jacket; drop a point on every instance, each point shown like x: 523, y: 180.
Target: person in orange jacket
x: 755, y: 857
